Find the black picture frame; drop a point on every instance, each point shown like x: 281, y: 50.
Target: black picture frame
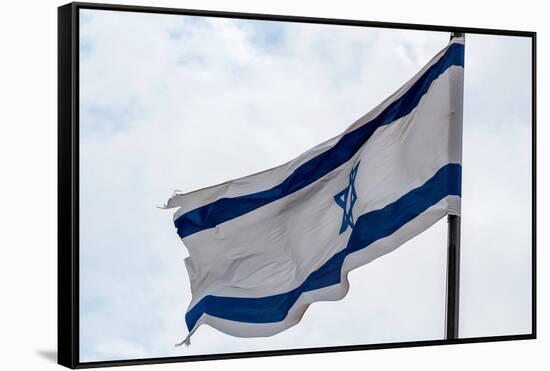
x: 68, y: 182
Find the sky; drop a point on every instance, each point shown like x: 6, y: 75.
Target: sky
x: 173, y: 102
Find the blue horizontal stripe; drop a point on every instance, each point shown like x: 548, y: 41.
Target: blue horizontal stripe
x: 369, y: 227
x: 224, y: 209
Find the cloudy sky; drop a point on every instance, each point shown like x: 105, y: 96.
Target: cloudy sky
x: 174, y: 102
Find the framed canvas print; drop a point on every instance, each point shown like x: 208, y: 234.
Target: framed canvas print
x: 241, y: 185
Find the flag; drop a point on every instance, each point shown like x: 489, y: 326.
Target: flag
x: 262, y: 248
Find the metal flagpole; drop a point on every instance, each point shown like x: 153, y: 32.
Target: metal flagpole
x: 453, y: 276
x: 453, y: 268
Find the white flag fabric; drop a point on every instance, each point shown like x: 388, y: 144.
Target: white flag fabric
x: 262, y: 248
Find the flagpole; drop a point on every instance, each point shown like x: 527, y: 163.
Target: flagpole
x: 453, y: 268
x: 453, y: 276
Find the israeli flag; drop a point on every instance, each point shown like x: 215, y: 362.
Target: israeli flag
x: 262, y: 248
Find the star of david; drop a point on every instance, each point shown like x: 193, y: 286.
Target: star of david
x: 346, y: 199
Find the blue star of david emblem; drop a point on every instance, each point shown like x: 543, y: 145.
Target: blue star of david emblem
x: 346, y: 199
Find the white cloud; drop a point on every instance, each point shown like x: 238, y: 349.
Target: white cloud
x: 182, y: 102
